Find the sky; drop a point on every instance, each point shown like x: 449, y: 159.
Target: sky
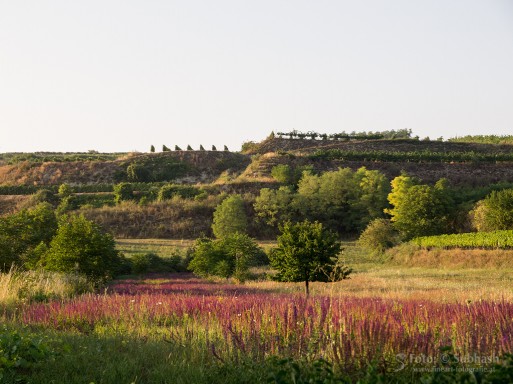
x: 119, y: 76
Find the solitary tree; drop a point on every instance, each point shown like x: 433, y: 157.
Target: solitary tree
x: 177, y: 148
x: 226, y: 148
x: 214, y: 148
x: 152, y: 149
x: 189, y: 148
x: 164, y: 149
x: 230, y: 217
x: 305, y: 252
x: 201, y: 148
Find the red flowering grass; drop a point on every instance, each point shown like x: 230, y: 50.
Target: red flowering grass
x: 232, y: 321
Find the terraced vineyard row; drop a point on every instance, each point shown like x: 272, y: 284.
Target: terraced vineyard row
x: 413, y: 156
x: 484, y: 240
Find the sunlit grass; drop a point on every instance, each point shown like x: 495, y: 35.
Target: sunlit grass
x: 18, y: 286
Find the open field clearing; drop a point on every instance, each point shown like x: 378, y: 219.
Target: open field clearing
x: 416, y: 283
x: 376, y: 278
x: 161, y: 247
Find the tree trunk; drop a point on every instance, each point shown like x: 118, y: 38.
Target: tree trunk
x: 307, y: 288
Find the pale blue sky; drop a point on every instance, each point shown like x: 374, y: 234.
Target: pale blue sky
x: 122, y: 75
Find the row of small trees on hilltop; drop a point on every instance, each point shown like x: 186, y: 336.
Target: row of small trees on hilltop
x: 165, y: 148
x: 392, y: 134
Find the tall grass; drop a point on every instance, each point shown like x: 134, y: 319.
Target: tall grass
x: 237, y: 322
x: 28, y: 286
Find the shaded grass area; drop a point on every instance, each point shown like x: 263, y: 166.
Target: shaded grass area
x: 82, y: 358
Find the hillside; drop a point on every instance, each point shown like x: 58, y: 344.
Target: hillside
x: 186, y: 166
x: 201, y: 179
x: 466, y: 164
x: 472, y: 164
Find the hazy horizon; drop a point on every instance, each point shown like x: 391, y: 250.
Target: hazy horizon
x: 120, y: 76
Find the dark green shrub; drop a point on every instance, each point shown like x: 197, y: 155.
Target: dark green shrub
x: 289, y: 371
x: 24, y: 231
x: 81, y: 246
x: 123, y: 192
x: 20, y: 353
x: 143, y: 263
x: 67, y: 204
x: 379, y: 236
x: 152, y: 263
x: 65, y: 190
x: 138, y: 172
x: 230, y: 256
x: 152, y: 149
x: 184, y: 191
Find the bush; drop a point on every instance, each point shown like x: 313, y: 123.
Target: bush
x: 170, y: 190
x: 65, y: 190
x: 379, y: 236
x: 19, y: 354
x: 138, y: 172
x: 495, y: 212
x: 80, y: 246
x: 123, y: 192
x: 150, y: 262
x: 227, y: 257
x: 21, y: 233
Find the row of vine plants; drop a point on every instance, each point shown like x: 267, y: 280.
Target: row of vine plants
x: 412, y: 156
x: 484, y: 240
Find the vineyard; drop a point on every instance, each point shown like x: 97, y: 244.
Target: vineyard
x: 484, y: 240
x: 413, y: 156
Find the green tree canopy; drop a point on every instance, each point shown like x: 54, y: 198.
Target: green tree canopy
x: 230, y: 217
x: 22, y: 232
x: 123, y: 192
x: 227, y: 257
x: 495, y: 212
x: 420, y: 210
x: 306, y: 252
x: 378, y: 236
x: 81, y: 246
x: 274, y: 206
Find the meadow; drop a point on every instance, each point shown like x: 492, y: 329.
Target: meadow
x: 388, y: 322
